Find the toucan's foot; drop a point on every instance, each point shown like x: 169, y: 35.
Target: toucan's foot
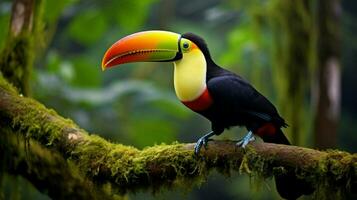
x: 203, y: 142
x: 248, y: 138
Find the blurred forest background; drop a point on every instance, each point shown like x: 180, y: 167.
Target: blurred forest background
x: 275, y: 44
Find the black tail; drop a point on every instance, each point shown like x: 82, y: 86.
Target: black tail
x: 287, y: 184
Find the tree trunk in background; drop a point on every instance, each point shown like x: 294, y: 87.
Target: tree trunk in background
x: 17, y: 57
x: 292, y: 27
x: 327, y: 89
x: 22, y: 17
x: 307, y: 49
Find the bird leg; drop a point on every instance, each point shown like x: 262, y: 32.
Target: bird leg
x: 203, y: 141
x: 247, y: 138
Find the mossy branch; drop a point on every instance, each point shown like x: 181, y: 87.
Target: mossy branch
x: 45, y: 169
x: 128, y: 168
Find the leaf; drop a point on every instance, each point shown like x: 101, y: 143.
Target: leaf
x: 88, y: 27
x: 4, y: 24
x: 129, y: 14
x: 53, y: 9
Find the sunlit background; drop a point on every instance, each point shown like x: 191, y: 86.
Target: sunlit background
x: 135, y: 104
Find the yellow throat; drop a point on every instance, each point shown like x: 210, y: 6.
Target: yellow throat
x: 190, y: 75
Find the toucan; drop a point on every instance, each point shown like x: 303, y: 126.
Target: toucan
x: 223, y: 97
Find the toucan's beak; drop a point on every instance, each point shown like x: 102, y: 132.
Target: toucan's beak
x: 147, y: 46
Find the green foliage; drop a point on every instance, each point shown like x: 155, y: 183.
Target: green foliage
x: 59, y: 67
x: 54, y: 9
x: 4, y: 24
x: 147, y: 130
x: 129, y: 15
x: 88, y: 27
x: 114, y: 14
x: 171, y: 108
x: 85, y: 73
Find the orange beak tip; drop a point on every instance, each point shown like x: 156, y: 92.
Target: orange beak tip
x: 105, y: 63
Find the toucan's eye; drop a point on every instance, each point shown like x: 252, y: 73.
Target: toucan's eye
x: 185, y: 45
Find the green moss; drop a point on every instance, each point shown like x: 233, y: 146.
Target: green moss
x: 30, y: 120
x: 130, y: 167
x: 34, y: 120
x: 6, y: 85
x: 41, y: 166
x: 16, y: 61
x: 254, y: 164
x: 335, y: 175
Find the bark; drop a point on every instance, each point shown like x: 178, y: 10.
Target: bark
x: 127, y: 168
x: 328, y: 89
x: 22, y: 17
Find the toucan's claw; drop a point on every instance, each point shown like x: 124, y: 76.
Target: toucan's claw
x: 199, y: 144
x: 245, y: 141
x: 203, y: 142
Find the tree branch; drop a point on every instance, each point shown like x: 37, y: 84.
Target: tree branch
x: 45, y: 169
x: 128, y: 168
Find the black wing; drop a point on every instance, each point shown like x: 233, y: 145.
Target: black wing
x: 234, y: 93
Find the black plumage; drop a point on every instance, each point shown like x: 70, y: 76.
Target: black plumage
x: 237, y: 103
